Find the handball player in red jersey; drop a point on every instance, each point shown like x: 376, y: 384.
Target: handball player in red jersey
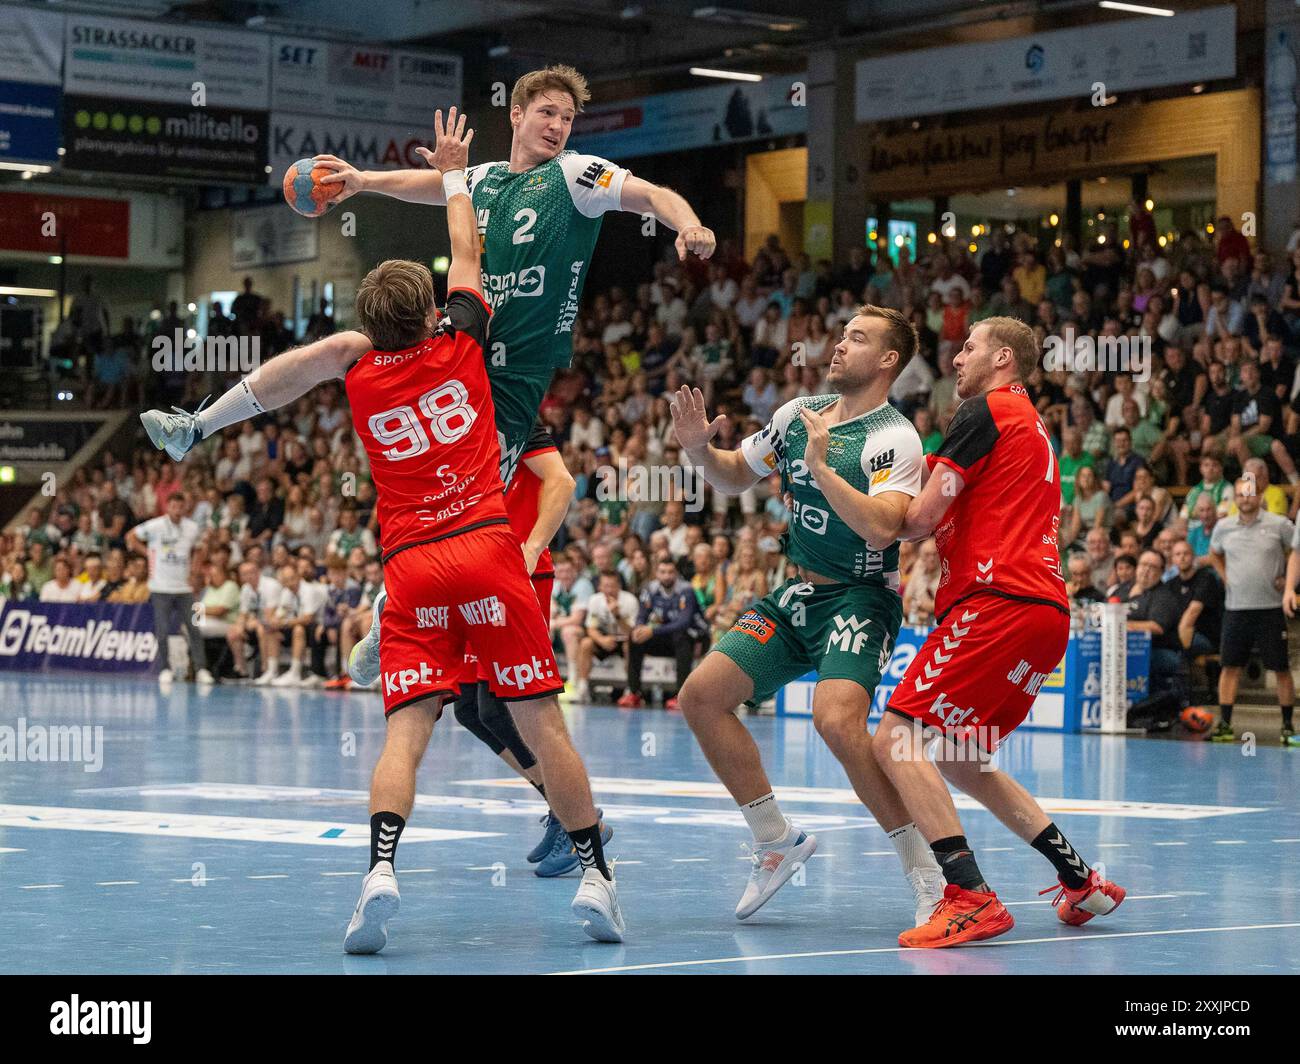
x: 993, y: 502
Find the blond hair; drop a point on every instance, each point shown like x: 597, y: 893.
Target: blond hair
x: 557, y: 78
x: 393, y: 304
x: 1015, y: 334
x: 901, y: 335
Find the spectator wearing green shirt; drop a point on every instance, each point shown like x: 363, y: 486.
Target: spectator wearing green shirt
x: 1212, y: 484
x: 931, y: 437
x: 1145, y: 435
x: 1073, y: 458
x: 40, y: 567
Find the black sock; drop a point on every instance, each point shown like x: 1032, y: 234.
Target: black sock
x: 1286, y: 717
x: 385, y: 830
x: 1226, y: 713
x: 590, y: 852
x: 957, y: 860
x: 1053, y: 845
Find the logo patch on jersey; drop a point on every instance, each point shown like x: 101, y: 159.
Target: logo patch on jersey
x: 595, y: 174
x: 884, y: 460
x: 880, y: 476
x: 755, y: 624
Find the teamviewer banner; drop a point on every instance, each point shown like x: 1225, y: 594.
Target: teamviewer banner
x: 57, y: 637
x: 1122, y: 55
x: 129, y: 59
x: 164, y: 140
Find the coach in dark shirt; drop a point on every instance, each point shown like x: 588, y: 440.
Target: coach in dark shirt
x: 1122, y: 468
x: 266, y: 514
x: 1200, y: 595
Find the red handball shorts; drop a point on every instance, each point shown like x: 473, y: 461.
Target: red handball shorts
x: 474, y: 672
x: 978, y: 673
x: 470, y: 592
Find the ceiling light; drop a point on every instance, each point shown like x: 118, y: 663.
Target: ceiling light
x: 729, y: 75
x: 1137, y: 9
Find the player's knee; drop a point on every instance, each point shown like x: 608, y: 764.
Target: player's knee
x: 840, y: 725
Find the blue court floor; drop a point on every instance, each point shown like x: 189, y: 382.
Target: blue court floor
x: 227, y: 831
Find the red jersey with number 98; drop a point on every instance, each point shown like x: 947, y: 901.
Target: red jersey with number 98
x: 1000, y: 534
x: 426, y: 420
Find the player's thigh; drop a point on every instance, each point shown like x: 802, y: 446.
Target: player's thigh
x: 409, y: 726
x: 716, y: 685
x: 421, y: 642
x: 980, y: 671
x: 766, y: 645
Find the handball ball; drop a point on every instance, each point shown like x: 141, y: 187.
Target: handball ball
x: 1197, y: 719
x: 304, y: 192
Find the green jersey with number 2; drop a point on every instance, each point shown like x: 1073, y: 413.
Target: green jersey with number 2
x: 875, y: 452
x: 538, y: 229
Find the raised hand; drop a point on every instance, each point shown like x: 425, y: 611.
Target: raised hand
x: 814, y: 452
x: 690, y: 421
x: 450, y: 143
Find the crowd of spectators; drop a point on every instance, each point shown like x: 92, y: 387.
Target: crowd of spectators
x: 1147, y: 460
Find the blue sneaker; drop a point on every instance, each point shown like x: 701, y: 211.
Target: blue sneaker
x: 563, y: 856
x: 547, y: 844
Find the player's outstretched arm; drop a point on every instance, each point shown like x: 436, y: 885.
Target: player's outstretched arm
x: 410, y: 186
x: 451, y: 157
x: 643, y: 197
x: 727, y: 471
x: 927, y: 509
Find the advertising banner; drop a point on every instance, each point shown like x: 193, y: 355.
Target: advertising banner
x: 692, y: 118
x: 72, y: 225
x: 164, y: 140
x: 98, y: 637
x: 1123, y: 55
x: 31, y: 52
x: 366, y: 145
x: 269, y: 236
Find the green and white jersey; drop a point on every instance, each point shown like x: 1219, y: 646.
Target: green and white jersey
x: 875, y: 452
x: 537, y: 229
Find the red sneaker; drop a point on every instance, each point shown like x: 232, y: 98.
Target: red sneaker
x: 631, y: 701
x: 963, y: 916
x: 670, y: 705
x: 1097, y: 897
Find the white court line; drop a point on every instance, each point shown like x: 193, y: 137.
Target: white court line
x: 119, y: 883
x: 689, y: 860
x: 877, y: 853
x: 11, y: 849
x: 342, y: 873
x: 277, y: 875
x: 996, y: 849
x: 1285, y: 840
x: 42, y: 886
x: 1169, y: 844
x: 1229, y: 842
x: 1130, y: 897
x: 1085, y: 937
x: 1113, y: 845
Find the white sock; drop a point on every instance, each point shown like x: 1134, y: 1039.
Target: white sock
x: 913, y: 851
x: 238, y: 404
x: 765, y: 819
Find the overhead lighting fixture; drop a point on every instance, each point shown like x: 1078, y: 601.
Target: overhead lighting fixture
x: 34, y: 293
x: 1137, y: 9
x: 32, y: 168
x: 499, y: 51
x: 728, y: 75
x: 756, y: 19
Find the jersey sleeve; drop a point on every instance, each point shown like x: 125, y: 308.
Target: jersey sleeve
x: 146, y: 531
x: 539, y: 441
x: 893, y: 460
x: 595, y: 184
x: 765, y: 449
x: 971, y: 437
x: 468, y: 314
x: 476, y: 174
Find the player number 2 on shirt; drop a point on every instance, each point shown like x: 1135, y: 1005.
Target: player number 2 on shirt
x: 400, y: 430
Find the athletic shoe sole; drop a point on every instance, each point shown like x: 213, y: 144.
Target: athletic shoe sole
x: 596, y: 922
x: 788, y: 866
x: 1088, y: 916
x: 372, y: 935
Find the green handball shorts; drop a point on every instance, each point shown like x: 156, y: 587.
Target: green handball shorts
x: 840, y: 631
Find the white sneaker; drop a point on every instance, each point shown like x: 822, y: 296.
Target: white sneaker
x: 773, y: 864
x: 203, y: 676
x: 363, y: 662
x: 312, y: 680
x: 292, y: 678
x: 927, y: 885
x: 174, y: 433
x: 165, y: 676
x: 379, y: 902
x: 596, y: 905
x: 267, y: 677
x: 578, y: 692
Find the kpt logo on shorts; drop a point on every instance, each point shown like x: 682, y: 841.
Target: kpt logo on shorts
x: 404, y: 680
x: 520, y: 676
x: 754, y: 624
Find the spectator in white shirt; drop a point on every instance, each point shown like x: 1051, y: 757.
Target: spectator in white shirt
x: 611, y: 616
x: 723, y: 291
x: 586, y: 430
x: 62, y: 588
